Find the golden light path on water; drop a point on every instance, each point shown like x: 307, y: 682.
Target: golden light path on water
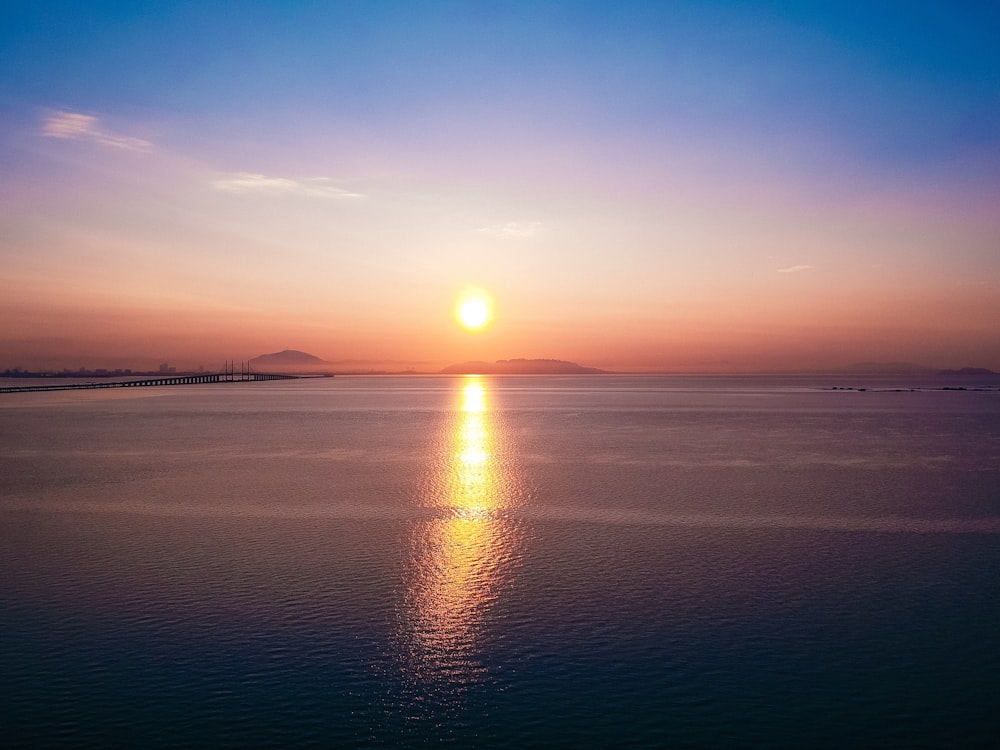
x: 461, y: 557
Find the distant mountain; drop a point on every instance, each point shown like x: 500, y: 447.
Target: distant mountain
x: 968, y: 371
x: 521, y: 367
x: 287, y: 359
x: 908, y: 368
x: 887, y: 368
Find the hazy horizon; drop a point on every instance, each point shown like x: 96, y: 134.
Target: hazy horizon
x: 396, y: 367
x: 682, y: 187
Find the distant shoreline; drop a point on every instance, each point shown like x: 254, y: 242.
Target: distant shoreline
x: 521, y: 367
x: 816, y: 382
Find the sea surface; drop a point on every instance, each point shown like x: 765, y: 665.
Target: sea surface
x: 493, y: 562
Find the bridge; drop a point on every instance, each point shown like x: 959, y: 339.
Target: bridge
x: 228, y: 376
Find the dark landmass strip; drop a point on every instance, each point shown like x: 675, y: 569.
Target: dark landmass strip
x: 988, y: 388
x: 964, y: 379
x: 521, y: 367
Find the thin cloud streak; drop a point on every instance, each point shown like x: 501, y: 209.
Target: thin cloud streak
x: 794, y: 269
x: 76, y: 126
x: 243, y: 183
x: 514, y: 230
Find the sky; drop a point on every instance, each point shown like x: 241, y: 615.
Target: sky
x: 639, y: 186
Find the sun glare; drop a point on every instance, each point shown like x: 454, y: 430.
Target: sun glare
x: 474, y: 310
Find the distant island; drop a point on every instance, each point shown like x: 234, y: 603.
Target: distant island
x: 968, y: 372
x: 293, y: 361
x: 886, y: 368
x: 908, y: 368
x: 288, y: 359
x: 521, y: 367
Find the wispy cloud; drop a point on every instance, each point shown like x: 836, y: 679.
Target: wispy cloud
x: 514, y: 230
x: 76, y: 126
x: 794, y: 269
x: 251, y: 182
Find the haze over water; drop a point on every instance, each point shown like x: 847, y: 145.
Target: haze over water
x: 506, y: 561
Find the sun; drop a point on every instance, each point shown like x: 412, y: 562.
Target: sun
x: 474, y: 310
x: 474, y: 313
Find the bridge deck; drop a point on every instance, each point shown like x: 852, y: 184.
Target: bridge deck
x: 146, y: 382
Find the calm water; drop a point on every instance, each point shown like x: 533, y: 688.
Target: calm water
x: 498, y: 562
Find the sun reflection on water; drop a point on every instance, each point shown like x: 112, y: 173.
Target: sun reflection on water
x: 462, y: 556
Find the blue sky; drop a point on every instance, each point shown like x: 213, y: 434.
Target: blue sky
x: 926, y: 73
